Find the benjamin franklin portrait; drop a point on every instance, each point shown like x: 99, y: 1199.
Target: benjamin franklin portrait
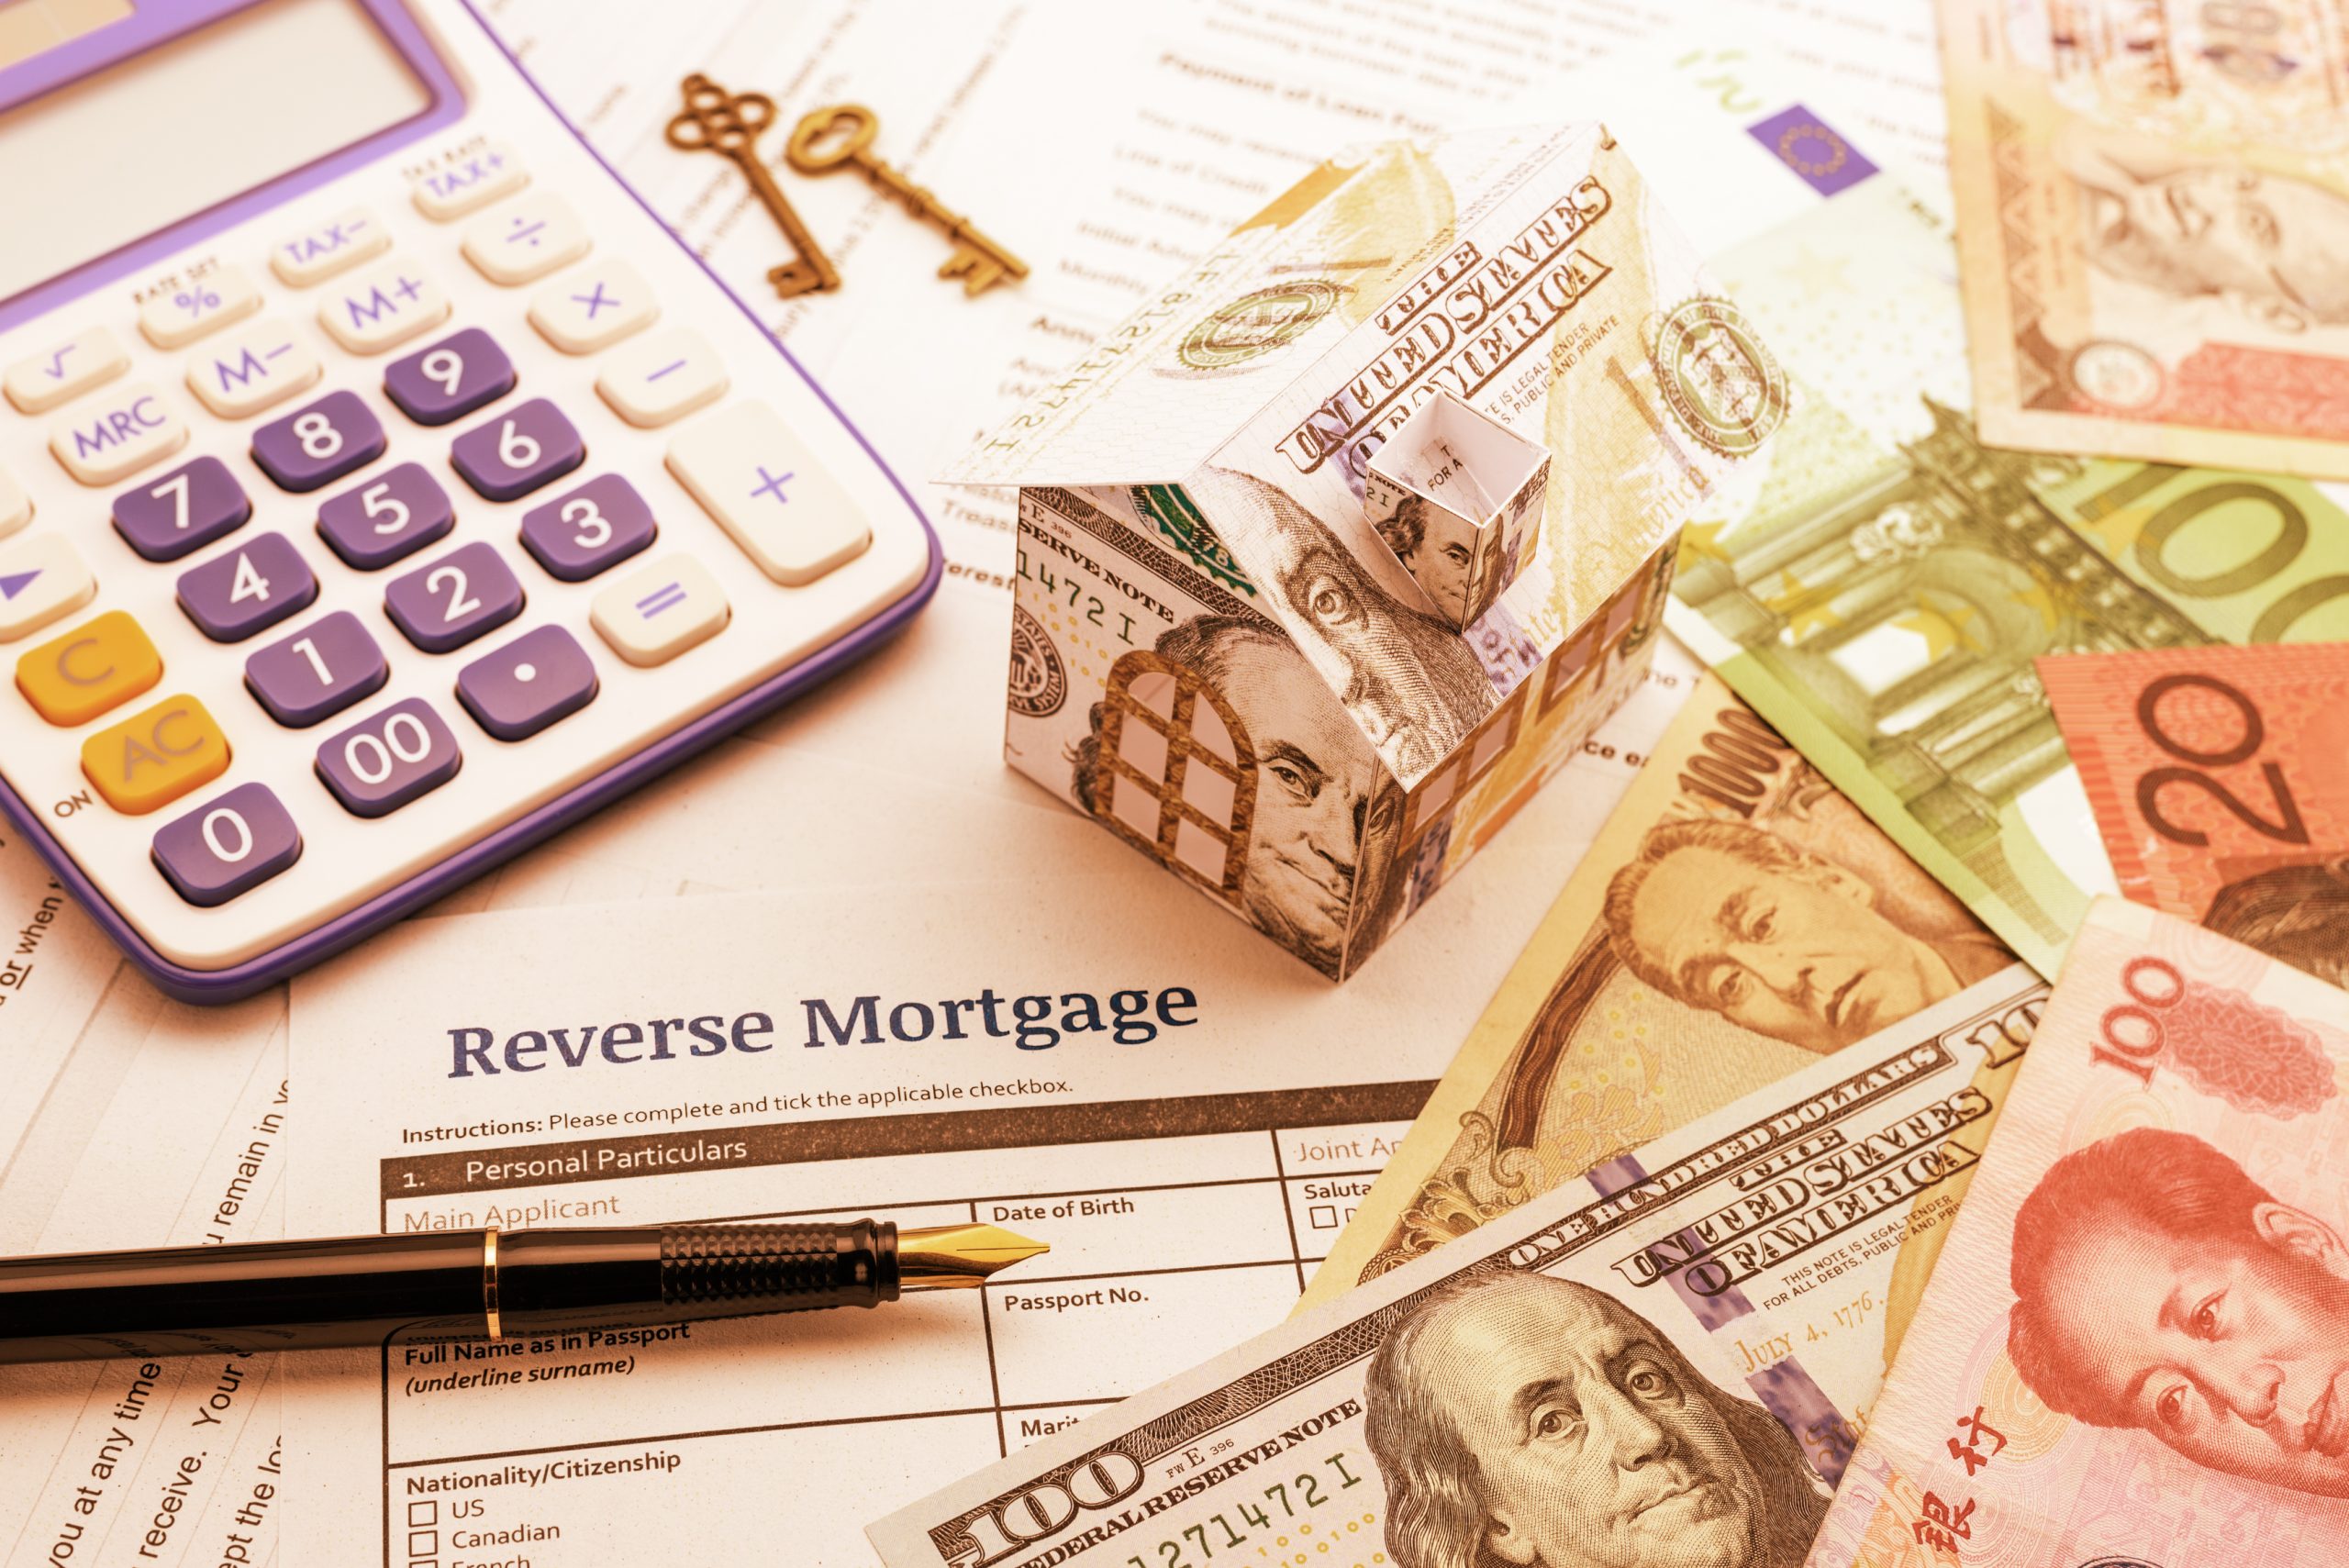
x: 1521, y: 1420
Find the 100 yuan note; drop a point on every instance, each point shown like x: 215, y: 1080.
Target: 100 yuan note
x: 2153, y: 201
x: 2136, y: 1347
x: 1665, y: 1361
x: 2218, y: 782
x: 1735, y: 920
x: 1881, y: 595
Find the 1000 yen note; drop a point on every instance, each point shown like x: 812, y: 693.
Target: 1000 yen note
x: 2136, y: 1347
x: 1665, y: 1362
x: 2217, y: 778
x: 1735, y: 920
x: 2153, y: 201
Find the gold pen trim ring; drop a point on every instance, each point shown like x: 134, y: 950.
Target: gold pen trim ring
x: 489, y: 1282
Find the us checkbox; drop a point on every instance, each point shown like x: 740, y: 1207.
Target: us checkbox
x: 425, y: 1513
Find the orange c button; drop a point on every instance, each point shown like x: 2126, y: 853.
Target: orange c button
x: 153, y: 757
x: 76, y: 677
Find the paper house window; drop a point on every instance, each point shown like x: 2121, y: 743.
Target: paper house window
x: 1177, y: 776
x: 1467, y: 765
x: 1458, y: 496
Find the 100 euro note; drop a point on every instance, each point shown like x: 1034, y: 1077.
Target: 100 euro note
x: 2136, y: 1348
x: 2153, y: 201
x: 1880, y: 596
x: 1640, y: 1365
x: 2216, y: 774
x: 1735, y: 920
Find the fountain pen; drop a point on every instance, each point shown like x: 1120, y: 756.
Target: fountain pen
x: 470, y: 1285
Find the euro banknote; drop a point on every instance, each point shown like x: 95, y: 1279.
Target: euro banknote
x: 1881, y: 595
x: 2136, y: 1347
x: 2153, y: 201
x: 1664, y: 1360
x: 1735, y: 920
x: 2218, y: 782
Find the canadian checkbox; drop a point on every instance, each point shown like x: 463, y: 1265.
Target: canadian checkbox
x: 423, y: 1543
x: 1323, y: 1215
x: 425, y: 1513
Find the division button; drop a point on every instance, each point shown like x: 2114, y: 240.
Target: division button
x: 384, y: 763
x: 153, y: 757
x: 184, y: 511
x: 662, y: 378
x: 65, y: 370
x: 660, y: 609
x: 185, y: 312
x: 524, y: 241
x: 589, y: 530
x: 386, y: 517
x: 249, y: 589
x: 116, y: 433
x: 228, y: 846
x: 97, y: 667
x: 540, y: 676
x: 462, y: 371
x: 42, y: 579
x: 766, y: 490
x: 316, y: 673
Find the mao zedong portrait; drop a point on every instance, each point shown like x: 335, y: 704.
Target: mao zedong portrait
x: 1780, y: 939
x: 2161, y: 1288
x: 1522, y: 1421
x: 1325, y: 815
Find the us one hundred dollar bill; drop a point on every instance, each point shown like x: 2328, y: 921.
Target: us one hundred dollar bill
x: 2153, y: 201
x: 1736, y: 919
x: 2136, y: 1348
x: 1668, y: 1358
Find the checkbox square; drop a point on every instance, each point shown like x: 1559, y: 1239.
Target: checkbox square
x: 1323, y: 1215
x: 425, y: 1513
x: 424, y: 1543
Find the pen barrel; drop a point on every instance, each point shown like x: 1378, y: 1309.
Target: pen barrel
x: 549, y: 1280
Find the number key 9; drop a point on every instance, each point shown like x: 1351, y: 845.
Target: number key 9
x: 447, y: 381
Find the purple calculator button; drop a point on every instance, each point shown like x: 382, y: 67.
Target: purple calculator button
x: 186, y: 510
x: 448, y: 604
x: 318, y: 672
x: 380, y: 520
x: 519, y: 450
x: 600, y: 524
x: 451, y: 379
x: 538, y: 677
x: 319, y: 444
x: 248, y: 589
x: 378, y: 766
x: 228, y: 846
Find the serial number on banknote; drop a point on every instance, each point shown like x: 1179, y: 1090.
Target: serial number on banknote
x: 1284, y: 1515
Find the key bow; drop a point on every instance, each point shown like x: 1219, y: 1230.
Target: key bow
x: 717, y: 120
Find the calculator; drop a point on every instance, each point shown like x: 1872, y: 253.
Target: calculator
x: 382, y: 485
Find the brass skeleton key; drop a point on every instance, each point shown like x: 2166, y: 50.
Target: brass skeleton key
x: 841, y: 136
x: 729, y: 123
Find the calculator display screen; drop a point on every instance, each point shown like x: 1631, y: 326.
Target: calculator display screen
x: 190, y: 123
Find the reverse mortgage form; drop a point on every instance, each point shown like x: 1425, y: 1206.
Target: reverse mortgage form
x: 1187, y: 1120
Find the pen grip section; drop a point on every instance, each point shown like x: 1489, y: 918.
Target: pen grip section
x: 778, y: 1267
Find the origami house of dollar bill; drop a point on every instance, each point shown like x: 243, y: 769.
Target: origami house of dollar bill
x: 1214, y: 652
x: 1457, y: 495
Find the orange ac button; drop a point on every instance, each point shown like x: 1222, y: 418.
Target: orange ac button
x: 76, y: 677
x: 154, y: 757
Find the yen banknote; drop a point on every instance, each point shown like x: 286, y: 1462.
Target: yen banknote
x: 1735, y: 920
x: 2153, y: 201
x: 2219, y: 782
x: 2136, y: 1347
x: 1882, y: 593
x: 1700, y: 1302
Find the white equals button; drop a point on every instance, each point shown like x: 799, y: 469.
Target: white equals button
x: 659, y: 610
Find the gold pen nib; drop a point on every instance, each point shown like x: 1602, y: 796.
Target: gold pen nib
x: 956, y: 1257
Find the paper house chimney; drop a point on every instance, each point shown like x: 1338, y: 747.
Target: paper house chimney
x: 1217, y: 652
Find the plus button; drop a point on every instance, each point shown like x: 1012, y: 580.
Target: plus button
x: 772, y: 484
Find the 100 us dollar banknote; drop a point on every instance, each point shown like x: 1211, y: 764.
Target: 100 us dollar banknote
x: 1881, y: 595
x: 2136, y: 1347
x: 1736, y: 919
x: 1664, y: 1360
x: 2153, y: 201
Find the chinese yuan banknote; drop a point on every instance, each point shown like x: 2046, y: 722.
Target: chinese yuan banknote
x: 2220, y: 782
x: 1663, y: 1360
x: 2153, y: 201
x: 1735, y: 920
x: 2135, y: 1352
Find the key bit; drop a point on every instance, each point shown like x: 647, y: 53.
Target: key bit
x: 729, y: 124
x: 840, y: 136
